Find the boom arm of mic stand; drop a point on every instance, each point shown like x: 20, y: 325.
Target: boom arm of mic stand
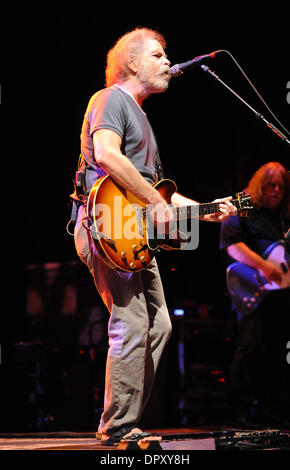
x: 258, y: 115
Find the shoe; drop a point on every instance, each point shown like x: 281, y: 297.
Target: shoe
x: 119, y: 436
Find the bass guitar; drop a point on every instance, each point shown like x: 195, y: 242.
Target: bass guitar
x: 248, y: 288
x: 124, y: 234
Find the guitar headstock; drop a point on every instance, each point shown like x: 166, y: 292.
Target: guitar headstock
x: 244, y: 204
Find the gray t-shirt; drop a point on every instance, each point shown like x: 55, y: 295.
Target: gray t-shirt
x: 113, y: 108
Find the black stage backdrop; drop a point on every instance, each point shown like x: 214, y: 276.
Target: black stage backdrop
x: 210, y: 143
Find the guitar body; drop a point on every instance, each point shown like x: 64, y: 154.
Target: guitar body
x: 118, y: 225
x: 125, y: 236
x: 248, y: 288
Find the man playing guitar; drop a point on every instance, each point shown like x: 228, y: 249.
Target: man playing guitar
x: 259, y: 283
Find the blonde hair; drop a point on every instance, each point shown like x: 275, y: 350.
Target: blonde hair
x: 129, y: 45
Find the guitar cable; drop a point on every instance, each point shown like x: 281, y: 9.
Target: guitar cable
x: 78, y: 197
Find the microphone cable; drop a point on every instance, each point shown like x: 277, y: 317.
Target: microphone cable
x: 253, y: 87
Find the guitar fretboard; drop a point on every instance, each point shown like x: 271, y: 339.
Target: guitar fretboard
x: 197, y: 210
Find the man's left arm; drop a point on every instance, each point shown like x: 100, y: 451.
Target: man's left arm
x: 226, y: 207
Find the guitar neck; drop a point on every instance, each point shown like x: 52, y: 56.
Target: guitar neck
x: 196, y: 210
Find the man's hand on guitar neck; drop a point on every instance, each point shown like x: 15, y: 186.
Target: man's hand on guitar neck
x: 226, y: 210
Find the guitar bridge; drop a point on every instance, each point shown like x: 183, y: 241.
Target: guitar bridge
x: 137, y: 252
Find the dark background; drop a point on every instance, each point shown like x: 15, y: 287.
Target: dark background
x: 210, y: 143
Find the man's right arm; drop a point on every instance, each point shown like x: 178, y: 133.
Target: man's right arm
x: 107, y: 152
x: 243, y: 254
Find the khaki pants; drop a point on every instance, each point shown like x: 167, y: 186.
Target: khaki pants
x: 139, y: 328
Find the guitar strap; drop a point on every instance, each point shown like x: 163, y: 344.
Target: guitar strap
x: 79, y: 196
x: 158, y: 163
x: 84, y: 176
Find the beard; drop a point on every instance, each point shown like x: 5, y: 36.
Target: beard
x: 154, y: 82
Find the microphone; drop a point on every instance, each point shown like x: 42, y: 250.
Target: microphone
x: 178, y: 69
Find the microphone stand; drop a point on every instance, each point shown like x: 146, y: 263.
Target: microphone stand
x: 258, y: 115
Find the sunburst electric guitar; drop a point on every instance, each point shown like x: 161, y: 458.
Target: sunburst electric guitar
x: 124, y: 233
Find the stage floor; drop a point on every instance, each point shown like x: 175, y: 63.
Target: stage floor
x: 173, y: 439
